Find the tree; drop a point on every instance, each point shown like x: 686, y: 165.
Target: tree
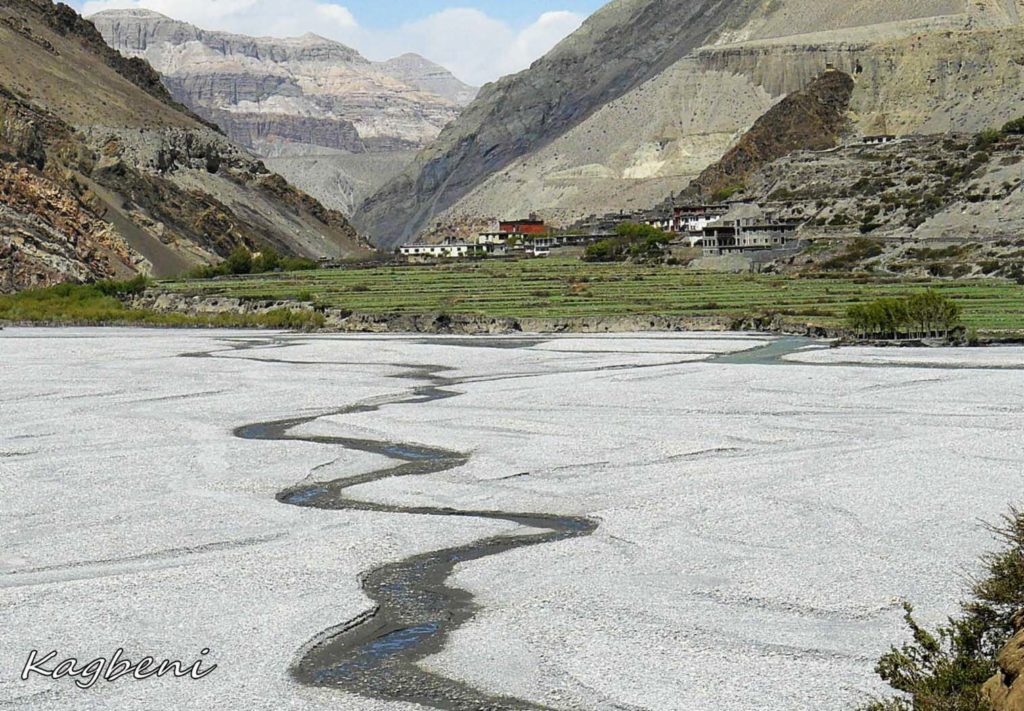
x: 631, y: 241
x: 934, y: 313
x: 268, y: 261
x: 927, y: 313
x: 607, y: 250
x: 239, y: 261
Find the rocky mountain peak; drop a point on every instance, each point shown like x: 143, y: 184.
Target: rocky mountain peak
x: 321, y: 113
x: 104, y: 175
x: 418, y: 71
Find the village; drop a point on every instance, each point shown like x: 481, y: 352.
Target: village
x: 749, y: 230
x: 714, y: 230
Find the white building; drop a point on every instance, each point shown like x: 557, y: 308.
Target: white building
x: 493, y: 238
x: 453, y: 250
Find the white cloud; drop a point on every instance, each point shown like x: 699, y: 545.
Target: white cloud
x: 476, y: 47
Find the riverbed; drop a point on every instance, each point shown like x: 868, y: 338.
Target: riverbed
x: 662, y: 522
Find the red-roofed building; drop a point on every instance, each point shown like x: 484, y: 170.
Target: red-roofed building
x: 523, y: 227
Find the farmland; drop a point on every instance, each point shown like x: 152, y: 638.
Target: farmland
x: 558, y: 288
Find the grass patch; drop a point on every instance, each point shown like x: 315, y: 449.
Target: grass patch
x: 101, y: 304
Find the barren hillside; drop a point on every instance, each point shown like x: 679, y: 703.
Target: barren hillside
x: 95, y: 152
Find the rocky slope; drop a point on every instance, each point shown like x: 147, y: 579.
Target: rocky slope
x: 104, y: 174
x: 813, y: 119
x: 649, y: 93
x: 297, y: 96
x: 924, y: 206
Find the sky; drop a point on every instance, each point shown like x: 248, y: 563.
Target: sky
x: 478, y: 40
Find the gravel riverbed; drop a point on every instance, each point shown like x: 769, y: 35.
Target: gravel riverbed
x: 760, y: 523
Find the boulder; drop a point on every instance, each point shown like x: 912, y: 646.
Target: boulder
x: 1005, y: 691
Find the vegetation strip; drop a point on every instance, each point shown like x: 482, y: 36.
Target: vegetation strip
x: 557, y: 288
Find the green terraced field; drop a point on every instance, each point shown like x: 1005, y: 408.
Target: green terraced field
x: 570, y: 288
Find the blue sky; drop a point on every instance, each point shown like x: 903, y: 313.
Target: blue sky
x: 389, y: 13
x: 478, y: 40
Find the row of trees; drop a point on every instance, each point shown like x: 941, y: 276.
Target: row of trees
x: 242, y: 261
x: 642, y: 243
x: 926, y: 314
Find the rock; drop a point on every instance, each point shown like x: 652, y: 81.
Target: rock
x: 48, y: 236
x: 425, y: 75
x: 811, y: 119
x: 1005, y: 691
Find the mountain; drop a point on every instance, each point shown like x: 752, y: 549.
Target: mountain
x: 313, y: 107
x: 103, y: 174
x: 649, y: 93
x: 419, y: 72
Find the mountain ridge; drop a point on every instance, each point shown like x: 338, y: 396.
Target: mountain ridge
x: 283, y: 95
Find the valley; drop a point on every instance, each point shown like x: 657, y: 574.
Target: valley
x: 678, y: 370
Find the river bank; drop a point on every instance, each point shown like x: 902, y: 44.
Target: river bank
x: 337, y: 320
x: 82, y: 306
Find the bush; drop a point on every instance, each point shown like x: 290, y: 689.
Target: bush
x: 727, y: 192
x: 986, y: 139
x: 267, y: 261
x: 945, y: 670
x: 1015, y: 127
x: 98, y: 305
x: 239, y: 261
x: 119, y: 289
x: 862, y: 249
x: 297, y: 264
x: 606, y: 250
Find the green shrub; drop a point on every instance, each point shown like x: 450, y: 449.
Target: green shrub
x: 131, y: 287
x: 1015, y: 127
x: 98, y: 305
x: 945, y: 670
x: 606, y: 250
x: 239, y: 261
x: 987, y: 138
x: 297, y: 264
x: 267, y: 261
x: 727, y: 192
x: 860, y: 250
